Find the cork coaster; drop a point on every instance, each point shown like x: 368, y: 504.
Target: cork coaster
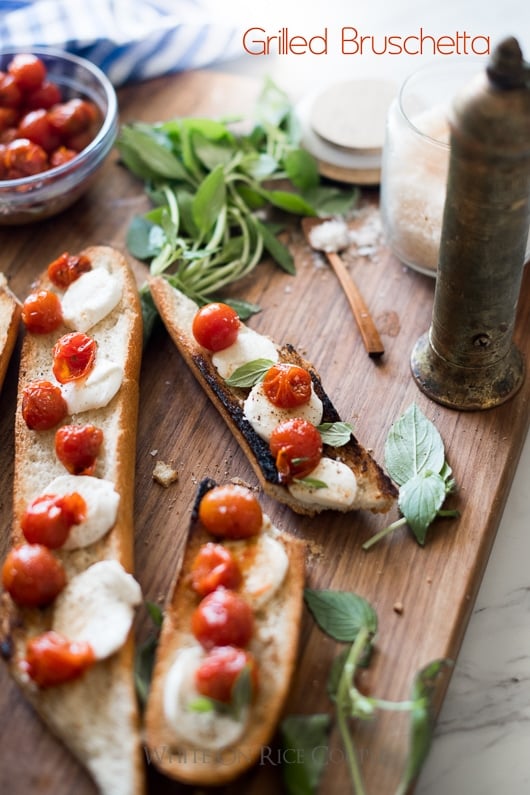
x: 352, y: 114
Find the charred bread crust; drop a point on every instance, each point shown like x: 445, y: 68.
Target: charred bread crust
x: 10, y: 309
x: 282, y: 617
x: 96, y: 716
x: 376, y: 492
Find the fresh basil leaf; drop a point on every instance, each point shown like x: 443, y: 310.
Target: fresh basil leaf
x: 209, y: 200
x: 340, y: 614
x: 420, y: 499
x: 276, y: 249
x: 259, y: 165
x: 157, y: 157
x: 304, y: 752
x: 291, y: 202
x: 143, y: 667
x: 185, y: 205
x: 212, y: 153
x: 413, y: 446
x: 336, y: 434
x: 201, y: 704
x: 155, y: 612
x: 139, y: 240
x: 310, y: 483
x: 421, y: 721
x: 328, y: 200
x: 301, y: 168
x: 244, y: 309
x: 273, y: 104
x: 252, y: 197
x: 250, y: 373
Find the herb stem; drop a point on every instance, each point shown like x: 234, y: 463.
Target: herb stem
x: 344, y: 706
x: 382, y: 533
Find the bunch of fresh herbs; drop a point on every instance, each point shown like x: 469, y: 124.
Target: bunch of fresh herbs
x: 349, y: 618
x: 415, y: 460
x: 212, y: 190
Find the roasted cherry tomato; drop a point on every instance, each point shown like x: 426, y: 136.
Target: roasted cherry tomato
x: 32, y: 575
x: 43, y: 406
x: 42, y: 312
x: 27, y: 70
x: 23, y: 158
x: 45, y: 96
x: 297, y: 448
x: 10, y: 93
x: 231, y: 511
x: 223, y: 618
x: 49, y: 518
x: 216, y: 326
x: 287, y: 386
x: 36, y: 126
x: 214, y: 567
x: 220, y: 669
x: 74, y: 356
x: 72, y: 117
x: 77, y: 447
x: 62, y: 155
x: 67, y: 268
x: 52, y: 659
x: 8, y: 118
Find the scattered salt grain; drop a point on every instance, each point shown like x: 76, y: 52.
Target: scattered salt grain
x: 332, y: 235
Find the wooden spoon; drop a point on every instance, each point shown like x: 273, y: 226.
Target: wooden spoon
x: 370, y: 335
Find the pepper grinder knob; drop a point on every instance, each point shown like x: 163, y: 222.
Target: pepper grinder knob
x: 468, y: 360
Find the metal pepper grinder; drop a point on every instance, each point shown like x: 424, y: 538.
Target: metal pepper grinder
x: 467, y: 359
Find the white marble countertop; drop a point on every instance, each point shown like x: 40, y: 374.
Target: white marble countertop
x: 482, y: 739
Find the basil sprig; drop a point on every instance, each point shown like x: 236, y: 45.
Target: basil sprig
x: 415, y: 460
x: 349, y: 618
x: 207, y: 183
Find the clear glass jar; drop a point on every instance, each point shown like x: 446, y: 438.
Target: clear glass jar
x: 416, y: 158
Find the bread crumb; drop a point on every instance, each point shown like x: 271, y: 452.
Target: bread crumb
x: 398, y: 608
x: 164, y: 474
x: 153, y: 453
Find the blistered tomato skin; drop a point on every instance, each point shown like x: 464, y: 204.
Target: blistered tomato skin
x: 214, y: 567
x: 51, y: 659
x: 32, y: 575
x: 36, y: 126
x: 42, y: 312
x: 74, y: 356
x: 43, y: 406
x: 27, y: 70
x: 49, y: 518
x: 287, y: 386
x: 23, y: 158
x: 223, y: 618
x: 77, y: 447
x: 67, y: 268
x: 217, y: 674
x: 297, y: 448
x: 231, y: 511
x: 216, y: 326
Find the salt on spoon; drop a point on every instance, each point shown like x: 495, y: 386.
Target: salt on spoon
x: 331, y: 236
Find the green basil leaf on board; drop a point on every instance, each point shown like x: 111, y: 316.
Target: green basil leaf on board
x: 336, y: 434
x: 304, y: 752
x: 340, y: 614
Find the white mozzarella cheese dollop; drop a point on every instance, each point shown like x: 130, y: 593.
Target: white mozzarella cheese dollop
x: 97, y: 606
x: 210, y: 730
x: 101, y: 507
x: 90, y: 298
x: 340, y: 490
x: 264, y: 416
x: 263, y: 562
x: 249, y: 345
x: 95, y: 391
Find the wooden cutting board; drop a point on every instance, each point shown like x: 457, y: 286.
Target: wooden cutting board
x: 435, y: 585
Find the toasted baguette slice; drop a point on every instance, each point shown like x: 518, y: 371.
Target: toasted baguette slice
x: 274, y: 645
x: 95, y: 716
x: 375, y: 490
x: 9, y: 322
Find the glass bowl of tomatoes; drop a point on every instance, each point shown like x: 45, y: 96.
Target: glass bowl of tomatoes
x: 58, y: 123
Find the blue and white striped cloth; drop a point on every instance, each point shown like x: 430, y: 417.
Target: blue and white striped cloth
x: 129, y: 40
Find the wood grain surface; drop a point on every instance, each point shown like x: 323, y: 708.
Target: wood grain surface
x: 436, y: 585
